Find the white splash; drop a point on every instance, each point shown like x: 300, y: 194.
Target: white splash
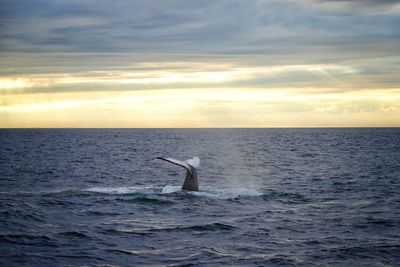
x: 123, y: 190
x: 208, y: 192
x: 169, y: 189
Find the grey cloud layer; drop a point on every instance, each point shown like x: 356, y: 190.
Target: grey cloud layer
x: 72, y: 36
x: 365, y: 2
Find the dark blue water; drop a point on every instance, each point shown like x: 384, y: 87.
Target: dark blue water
x: 268, y: 197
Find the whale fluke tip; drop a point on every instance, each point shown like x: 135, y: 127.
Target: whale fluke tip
x: 194, y: 162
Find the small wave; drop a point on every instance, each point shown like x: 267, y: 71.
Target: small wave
x: 25, y: 215
x: 74, y: 234
x: 26, y: 239
x: 65, y: 193
x: 210, y: 192
x: 137, y: 252
x: 26, y: 236
x: 286, y: 197
x: 152, y: 231
x: 211, y: 227
x: 119, y: 232
x: 100, y: 213
x: 146, y: 200
x: 365, y: 249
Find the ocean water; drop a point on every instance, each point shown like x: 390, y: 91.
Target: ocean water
x: 268, y: 197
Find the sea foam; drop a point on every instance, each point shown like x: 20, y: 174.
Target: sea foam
x: 211, y: 192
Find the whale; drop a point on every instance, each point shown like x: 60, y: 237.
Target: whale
x: 191, y: 183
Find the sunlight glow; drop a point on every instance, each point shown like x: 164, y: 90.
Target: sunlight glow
x: 212, y: 73
x: 204, y: 107
x: 203, y: 95
x: 8, y: 83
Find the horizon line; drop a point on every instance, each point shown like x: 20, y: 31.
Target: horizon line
x: 155, y: 128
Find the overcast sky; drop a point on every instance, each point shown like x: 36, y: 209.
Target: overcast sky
x: 200, y: 63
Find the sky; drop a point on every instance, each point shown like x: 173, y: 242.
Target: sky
x: 179, y: 63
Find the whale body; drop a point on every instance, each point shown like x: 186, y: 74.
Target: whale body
x: 191, y: 183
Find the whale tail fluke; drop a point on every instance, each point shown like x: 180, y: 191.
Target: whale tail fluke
x: 190, y: 183
x: 176, y: 162
x: 193, y: 162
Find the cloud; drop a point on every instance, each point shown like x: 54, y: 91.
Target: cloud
x: 348, y: 7
x: 86, y: 39
x: 202, y: 27
x: 364, y: 2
